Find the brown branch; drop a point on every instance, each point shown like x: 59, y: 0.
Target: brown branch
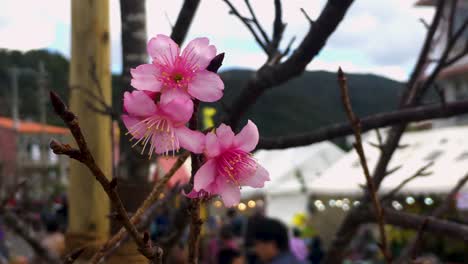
x: 257, y: 23
x: 152, y: 253
x: 451, y: 18
x: 437, y: 226
x: 246, y: 23
x: 278, y: 26
x: 405, y: 115
x: 356, y: 124
x: 442, y: 209
x: 74, y: 255
x: 421, y: 172
x: 184, y: 20
x: 272, y: 75
x: 311, y: 21
x: 136, y: 218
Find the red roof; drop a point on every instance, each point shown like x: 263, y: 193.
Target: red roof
x: 32, y: 127
x: 181, y: 176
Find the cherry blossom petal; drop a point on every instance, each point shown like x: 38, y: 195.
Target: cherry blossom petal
x: 146, y: 77
x: 190, y: 140
x: 132, y: 124
x: 247, y: 139
x: 229, y: 192
x: 205, y: 175
x: 206, y: 86
x: 163, y: 50
x: 170, y: 93
x: 225, y: 136
x: 138, y: 103
x: 199, y: 53
x: 257, y: 180
x: 212, y: 147
x: 179, y: 110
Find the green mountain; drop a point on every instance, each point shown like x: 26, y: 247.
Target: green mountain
x: 303, y: 104
x: 311, y: 100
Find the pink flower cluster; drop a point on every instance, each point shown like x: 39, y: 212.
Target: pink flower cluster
x: 158, y: 111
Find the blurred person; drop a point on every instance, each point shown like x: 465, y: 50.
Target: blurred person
x: 298, y: 246
x: 271, y: 242
x: 249, y: 235
x: 230, y: 256
x: 4, y: 252
x: 224, y: 240
x: 54, y: 240
x: 316, y: 251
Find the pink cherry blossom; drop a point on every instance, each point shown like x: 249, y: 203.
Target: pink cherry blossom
x: 160, y: 125
x: 175, y: 75
x: 229, y: 164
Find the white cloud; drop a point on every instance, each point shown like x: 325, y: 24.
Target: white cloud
x: 395, y: 72
x: 385, y: 35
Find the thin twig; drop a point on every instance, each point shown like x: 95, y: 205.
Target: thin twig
x: 421, y: 172
x: 74, y: 255
x: 355, y: 122
x: 257, y: 23
x: 154, y: 254
x: 311, y: 21
x: 246, y: 22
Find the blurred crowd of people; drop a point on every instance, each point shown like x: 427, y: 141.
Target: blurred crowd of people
x: 237, y: 239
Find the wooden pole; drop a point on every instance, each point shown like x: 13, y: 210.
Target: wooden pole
x: 90, y: 69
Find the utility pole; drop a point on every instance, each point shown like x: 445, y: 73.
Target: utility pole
x: 41, y: 78
x: 89, y: 206
x: 14, y: 102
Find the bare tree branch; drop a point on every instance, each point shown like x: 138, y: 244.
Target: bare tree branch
x: 356, y: 124
x: 405, y: 115
x: 271, y: 75
x: 154, y: 254
x: 246, y: 22
x: 421, y: 172
x: 257, y: 23
x: 184, y: 20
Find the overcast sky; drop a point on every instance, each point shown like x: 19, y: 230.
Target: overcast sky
x: 381, y: 37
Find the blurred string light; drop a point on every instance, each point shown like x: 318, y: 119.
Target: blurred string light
x: 339, y: 203
x: 428, y: 201
x: 356, y: 203
x: 218, y: 204
x: 346, y: 201
x: 251, y: 204
x: 241, y: 207
x: 332, y: 203
x: 321, y: 207
x: 345, y: 207
x: 397, y: 205
x: 410, y: 200
x: 317, y: 202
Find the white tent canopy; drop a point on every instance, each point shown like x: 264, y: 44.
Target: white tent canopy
x: 284, y: 165
x: 446, y: 147
x: 284, y: 192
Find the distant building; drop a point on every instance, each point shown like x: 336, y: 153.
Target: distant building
x: 454, y: 79
x: 25, y: 153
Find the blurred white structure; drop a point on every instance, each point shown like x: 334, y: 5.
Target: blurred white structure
x: 453, y: 80
x: 292, y: 172
x: 446, y: 147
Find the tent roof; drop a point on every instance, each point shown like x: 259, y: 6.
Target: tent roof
x: 310, y: 161
x: 446, y: 147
